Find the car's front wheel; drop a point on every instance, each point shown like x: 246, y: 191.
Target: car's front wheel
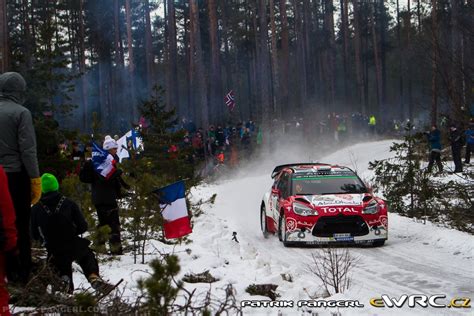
x: 263, y: 222
x: 282, y: 230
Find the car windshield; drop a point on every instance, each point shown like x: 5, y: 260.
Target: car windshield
x: 311, y: 184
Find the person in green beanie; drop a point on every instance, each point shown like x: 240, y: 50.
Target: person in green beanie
x: 57, y: 222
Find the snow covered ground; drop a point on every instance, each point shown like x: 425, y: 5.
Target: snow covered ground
x: 417, y: 259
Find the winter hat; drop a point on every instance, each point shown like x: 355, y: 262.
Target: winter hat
x: 109, y: 143
x: 49, y: 183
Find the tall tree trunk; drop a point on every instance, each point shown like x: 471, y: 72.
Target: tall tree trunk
x: 300, y: 60
x: 172, y: 64
x: 456, y: 68
x: 148, y: 48
x: 316, y: 51
x: 306, y: 44
x: 434, y: 64
x: 408, y: 67
x: 225, y: 38
x: 28, y: 45
x: 378, y: 67
x: 264, y: 63
x: 418, y: 14
x: 187, y: 57
x: 358, y: 57
x: 400, y: 65
x: 329, y: 27
x: 274, y: 54
x: 198, y: 81
x: 131, y: 62
x: 345, y: 46
x: 117, y: 35
x: 285, y: 60
x: 4, y: 50
x: 116, y: 76
x: 255, y: 106
x: 216, y: 97
x: 383, y: 60
x: 82, y: 68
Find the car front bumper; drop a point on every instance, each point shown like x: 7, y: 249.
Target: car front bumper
x: 305, y: 236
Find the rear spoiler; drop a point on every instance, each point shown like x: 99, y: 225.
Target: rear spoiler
x: 281, y: 167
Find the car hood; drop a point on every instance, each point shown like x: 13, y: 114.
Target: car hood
x: 355, y: 199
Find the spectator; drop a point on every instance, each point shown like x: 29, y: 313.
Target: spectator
x: 434, y: 138
x: 246, y: 139
x: 211, y: 133
x: 77, y: 153
x: 457, y: 142
x: 19, y: 160
x: 259, y: 136
x: 372, y: 124
x: 342, y: 130
x: 105, y: 193
x: 8, y: 237
x: 173, y: 151
x: 220, y: 136
x: 469, y: 142
x: 198, y: 145
x: 57, y: 222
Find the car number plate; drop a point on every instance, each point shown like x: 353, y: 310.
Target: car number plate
x: 343, y: 237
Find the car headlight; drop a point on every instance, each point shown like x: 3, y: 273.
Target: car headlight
x: 372, y: 208
x: 303, y: 210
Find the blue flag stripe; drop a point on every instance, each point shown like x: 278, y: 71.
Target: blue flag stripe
x: 171, y: 193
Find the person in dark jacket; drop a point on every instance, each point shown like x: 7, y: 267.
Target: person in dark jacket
x: 105, y: 193
x: 19, y: 159
x: 457, y: 142
x: 434, y: 138
x: 220, y: 136
x: 8, y: 237
x: 57, y: 222
x: 469, y: 142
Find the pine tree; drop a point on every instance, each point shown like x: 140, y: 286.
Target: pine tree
x: 160, y: 290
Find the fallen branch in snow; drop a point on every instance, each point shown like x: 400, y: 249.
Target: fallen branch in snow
x: 203, y: 277
x: 264, y: 290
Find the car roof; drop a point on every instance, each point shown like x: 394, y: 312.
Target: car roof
x: 315, y: 167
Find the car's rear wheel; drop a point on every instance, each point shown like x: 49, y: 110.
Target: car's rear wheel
x: 282, y: 230
x: 263, y: 222
x: 378, y: 243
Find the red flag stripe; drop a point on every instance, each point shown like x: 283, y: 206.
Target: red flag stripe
x: 177, y: 228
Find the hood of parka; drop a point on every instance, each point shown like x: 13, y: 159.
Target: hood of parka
x: 13, y: 87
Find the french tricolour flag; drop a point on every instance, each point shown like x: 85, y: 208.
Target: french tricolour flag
x: 103, y: 162
x: 175, y: 213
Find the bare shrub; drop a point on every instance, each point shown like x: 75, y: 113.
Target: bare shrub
x: 332, y: 266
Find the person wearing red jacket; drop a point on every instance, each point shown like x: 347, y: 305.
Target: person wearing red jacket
x: 8, y: 237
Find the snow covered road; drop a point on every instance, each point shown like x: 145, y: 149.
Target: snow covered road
x: 417, y: 259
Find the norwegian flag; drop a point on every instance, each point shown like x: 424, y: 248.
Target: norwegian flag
x: 229, y: 100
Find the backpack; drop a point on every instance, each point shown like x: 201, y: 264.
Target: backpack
x: 60, y: 232
x: 86, y: 174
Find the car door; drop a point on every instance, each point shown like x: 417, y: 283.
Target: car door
x: 283, y: 193
x: 274, y: 199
